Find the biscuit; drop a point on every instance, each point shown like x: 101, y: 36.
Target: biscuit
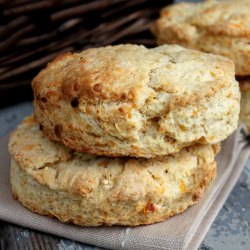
x: 127, y: 100
x: 219, y: 27
x: 245, y: 102
x: 89, y: 190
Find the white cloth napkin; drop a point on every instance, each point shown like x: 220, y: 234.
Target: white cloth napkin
x: 183, y: 231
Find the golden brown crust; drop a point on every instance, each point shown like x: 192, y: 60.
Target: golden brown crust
x: 219, y: 27
x: 144, y: 217
x: 68, y: 188
x: 123, y: 72
x: 127, y: 100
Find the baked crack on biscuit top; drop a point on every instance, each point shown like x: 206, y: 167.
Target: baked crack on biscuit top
x: 219, y: 27
x: 89, y: 190
x: 128, y: 100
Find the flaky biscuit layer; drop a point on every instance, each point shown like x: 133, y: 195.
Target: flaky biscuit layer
x: 219, y: 27
x: 128, y: 100
x: 89, y: 190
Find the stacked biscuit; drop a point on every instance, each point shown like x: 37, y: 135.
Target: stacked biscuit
x: 219, y: 27
x: 123, y: 135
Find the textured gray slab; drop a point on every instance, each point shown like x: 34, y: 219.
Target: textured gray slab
x: 230, y: 230
x: 11, y: 116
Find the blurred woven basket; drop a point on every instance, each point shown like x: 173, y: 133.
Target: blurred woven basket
x: 34, y: 32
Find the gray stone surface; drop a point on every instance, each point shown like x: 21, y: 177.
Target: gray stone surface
x: 230, y: 230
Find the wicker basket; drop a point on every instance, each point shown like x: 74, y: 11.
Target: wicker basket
x: 34, y: 32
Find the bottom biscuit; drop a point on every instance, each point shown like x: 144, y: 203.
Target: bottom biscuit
x: 90, y: 190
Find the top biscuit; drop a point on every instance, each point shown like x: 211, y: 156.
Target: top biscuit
x: 128, y: 100
x: 219, y: 27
